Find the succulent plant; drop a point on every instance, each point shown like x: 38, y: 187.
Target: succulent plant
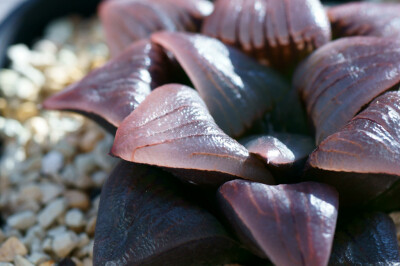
x: 218, y: 165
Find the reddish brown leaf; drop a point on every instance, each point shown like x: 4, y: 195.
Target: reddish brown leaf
x: 362, y: 159
x: 172, y: 128
x: 342, y: 77
x: 281, y: 32
x: 369, y: 239
x: 145, y: 218
x: 113, y: 91
x: 126, y: 21
x: 284, y: 154
x: 236, y: 89
x: 367, y: 19
x: 289, y: 224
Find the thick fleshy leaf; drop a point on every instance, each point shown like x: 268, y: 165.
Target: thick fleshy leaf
x: 126, y: 21
x: 343, y: 76
x: 289, y: 224
x: 366, y: 19
x: 113, y: 91
x: 366, y: 240
x: 146, y: 218
x: 285, y: 154
x: 362, y: 159
x: 172, y: 128
x: 236, y: 89
x: 280, y: 32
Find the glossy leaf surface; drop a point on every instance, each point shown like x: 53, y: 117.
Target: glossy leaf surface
x: 281, y: 149
x: 285, y: 154
x: 126, y: 21
x: 366, y: 240
x: 289, y: 224
x: 236, y: 89
x: 146, y: 219
x: 113, y: 91
x: 281, y: 32
x: 362, y: 159
x: 366, y: 19
x: 342, y: 77
x: 172, y: 128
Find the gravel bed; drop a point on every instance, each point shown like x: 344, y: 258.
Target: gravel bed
x: 53, y: 163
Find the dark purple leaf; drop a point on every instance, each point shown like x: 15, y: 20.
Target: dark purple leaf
x: 236, y: 89
x: 146, y: 219
x: 172, y: 128
x: 285, y: 154
x: 280, y: 32
x: 343, y: 76
x: 366, y: 240
x: 126, y: 21
x: 113, y: 91
x: 289, y: 224
x: 362, y: 159
x: 366, y: 19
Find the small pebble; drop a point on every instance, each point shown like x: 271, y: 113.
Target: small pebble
x: 74, y: 219
x: 11, y: 248
x: 57, y: 230
x: 87, y: 262
x: 50, y: 191
x: 2, y: 236
x: 64, y: 243
x: 52, y: 211
x: 38, y: 257
x: 99, y: 178
x: 48, y: 263
x: 30, y: 192
x: 21, y: 261
x: 52, y: 162
x: 91, y: 226
x: 22, y: 220
x: 47, y: 244
x: 77, y: 199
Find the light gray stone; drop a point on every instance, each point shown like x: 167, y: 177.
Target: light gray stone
x: 51, y: 212
x: 74, y: 219
x: 22, y: 220
x: 64, y: 243
x: 21, y: 261
x: 50, y: 191
x: 52, y: 162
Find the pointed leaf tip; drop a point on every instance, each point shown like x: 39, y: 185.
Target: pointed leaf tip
x: 113, y: 91
x: 172, y: 128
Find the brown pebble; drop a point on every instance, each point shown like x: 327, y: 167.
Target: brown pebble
x: 91, y: 226
x: 77, y: 199
x: 11, y: 248
x: 48, y: 263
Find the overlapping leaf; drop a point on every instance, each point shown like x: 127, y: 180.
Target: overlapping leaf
x: 285, y: 154
x: 289, y: 224
x: 366, y: 240
x: 126, y: 21
x: 281, y: 32
x: 236, y: 89
x: 145, y: 218
x: 367, y: 19
x: 113, y: 91
x: 172, y: 128
x: 343, y: 76
x: 362, y: 159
